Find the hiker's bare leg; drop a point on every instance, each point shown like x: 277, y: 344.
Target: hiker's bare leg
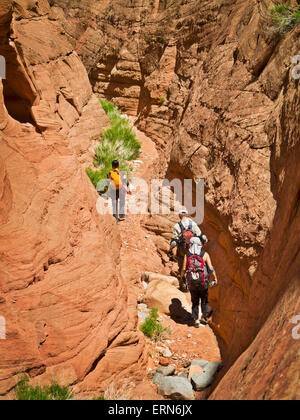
x: 173, y: 250
x: 183, y: 266
x: 180, y: 258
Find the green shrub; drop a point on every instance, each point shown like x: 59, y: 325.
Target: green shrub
x: 152, y: 328
x: 101, y: 398
x: 117, y: 142
x: 24, y: 391
x: 285, y: 17
x: 108, y: 107
x: 94, y: 176
x: 162, y: 101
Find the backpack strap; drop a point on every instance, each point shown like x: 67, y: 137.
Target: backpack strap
x: 182, y: 228
x: 202, y: 253
x: 190, y: 226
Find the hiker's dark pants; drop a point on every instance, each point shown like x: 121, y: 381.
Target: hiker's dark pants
x: 197, y: 295
x: 118, y: 202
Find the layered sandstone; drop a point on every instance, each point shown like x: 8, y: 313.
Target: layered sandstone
x: 230, y: 114
x: 59, y: 280
x: 212, y: 86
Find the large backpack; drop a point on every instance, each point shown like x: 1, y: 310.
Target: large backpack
x: 186, y: 235
x: 197, y: 273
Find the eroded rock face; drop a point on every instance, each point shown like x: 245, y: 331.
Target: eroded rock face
x: 214, y: 90
x: 59, y: 280
x: 213, y: 87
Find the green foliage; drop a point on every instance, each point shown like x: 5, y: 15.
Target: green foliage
x: 108, y: 107
x: 152, y: 328
x: 25, y: 392
x: 285, y: 17
x: 101, y: 398
x: 94, y: 176
x: 117, y: 142
x: 162, y: 101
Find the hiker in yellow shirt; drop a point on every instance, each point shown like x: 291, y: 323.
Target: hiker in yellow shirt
x: 117, y: 185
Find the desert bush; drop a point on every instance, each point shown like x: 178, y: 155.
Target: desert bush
x: 118, y: 142
x: 284, y: 17
x: 120, y: 392
x: 94, y: 176
x: 152, y: 327
x: 54, y: 392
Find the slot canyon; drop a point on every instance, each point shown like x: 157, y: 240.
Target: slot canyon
x: 212, y: 95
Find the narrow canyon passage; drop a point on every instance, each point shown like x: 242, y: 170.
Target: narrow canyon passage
x: 144, y: 249
x: 213, y: 90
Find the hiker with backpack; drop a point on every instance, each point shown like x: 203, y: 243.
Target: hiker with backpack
x: 198, y: 269
x: 184, y: 230
x: 116, y: 186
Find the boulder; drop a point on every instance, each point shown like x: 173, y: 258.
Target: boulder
x: 167, y: 299
x: 202, y: 363
x: 175, y: 388
x: 193, y: 370
x: 212, y: 368
x: 148, y: 277
x: 201, y: 381
x: 157, y: 378
x: 166, y: 370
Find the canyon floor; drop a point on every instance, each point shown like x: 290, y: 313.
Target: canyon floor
x: 139, y: 253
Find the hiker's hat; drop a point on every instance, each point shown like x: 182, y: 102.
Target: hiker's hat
x: 183, y: 212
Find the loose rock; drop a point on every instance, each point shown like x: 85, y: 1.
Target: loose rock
x: 157, y: 378
x: 193, y: 370
x: 202, y: 363
x: 167, y: 370
x: 201, y: 381
x: 166, y: 352
x: 163, y: 361
x: 186, y: 363
x: 176, y: 388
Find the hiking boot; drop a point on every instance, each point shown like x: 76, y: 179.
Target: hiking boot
x: 208, y: 314
x: 121, y: 218
x: 197, y: 323
x: 203, y: 320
